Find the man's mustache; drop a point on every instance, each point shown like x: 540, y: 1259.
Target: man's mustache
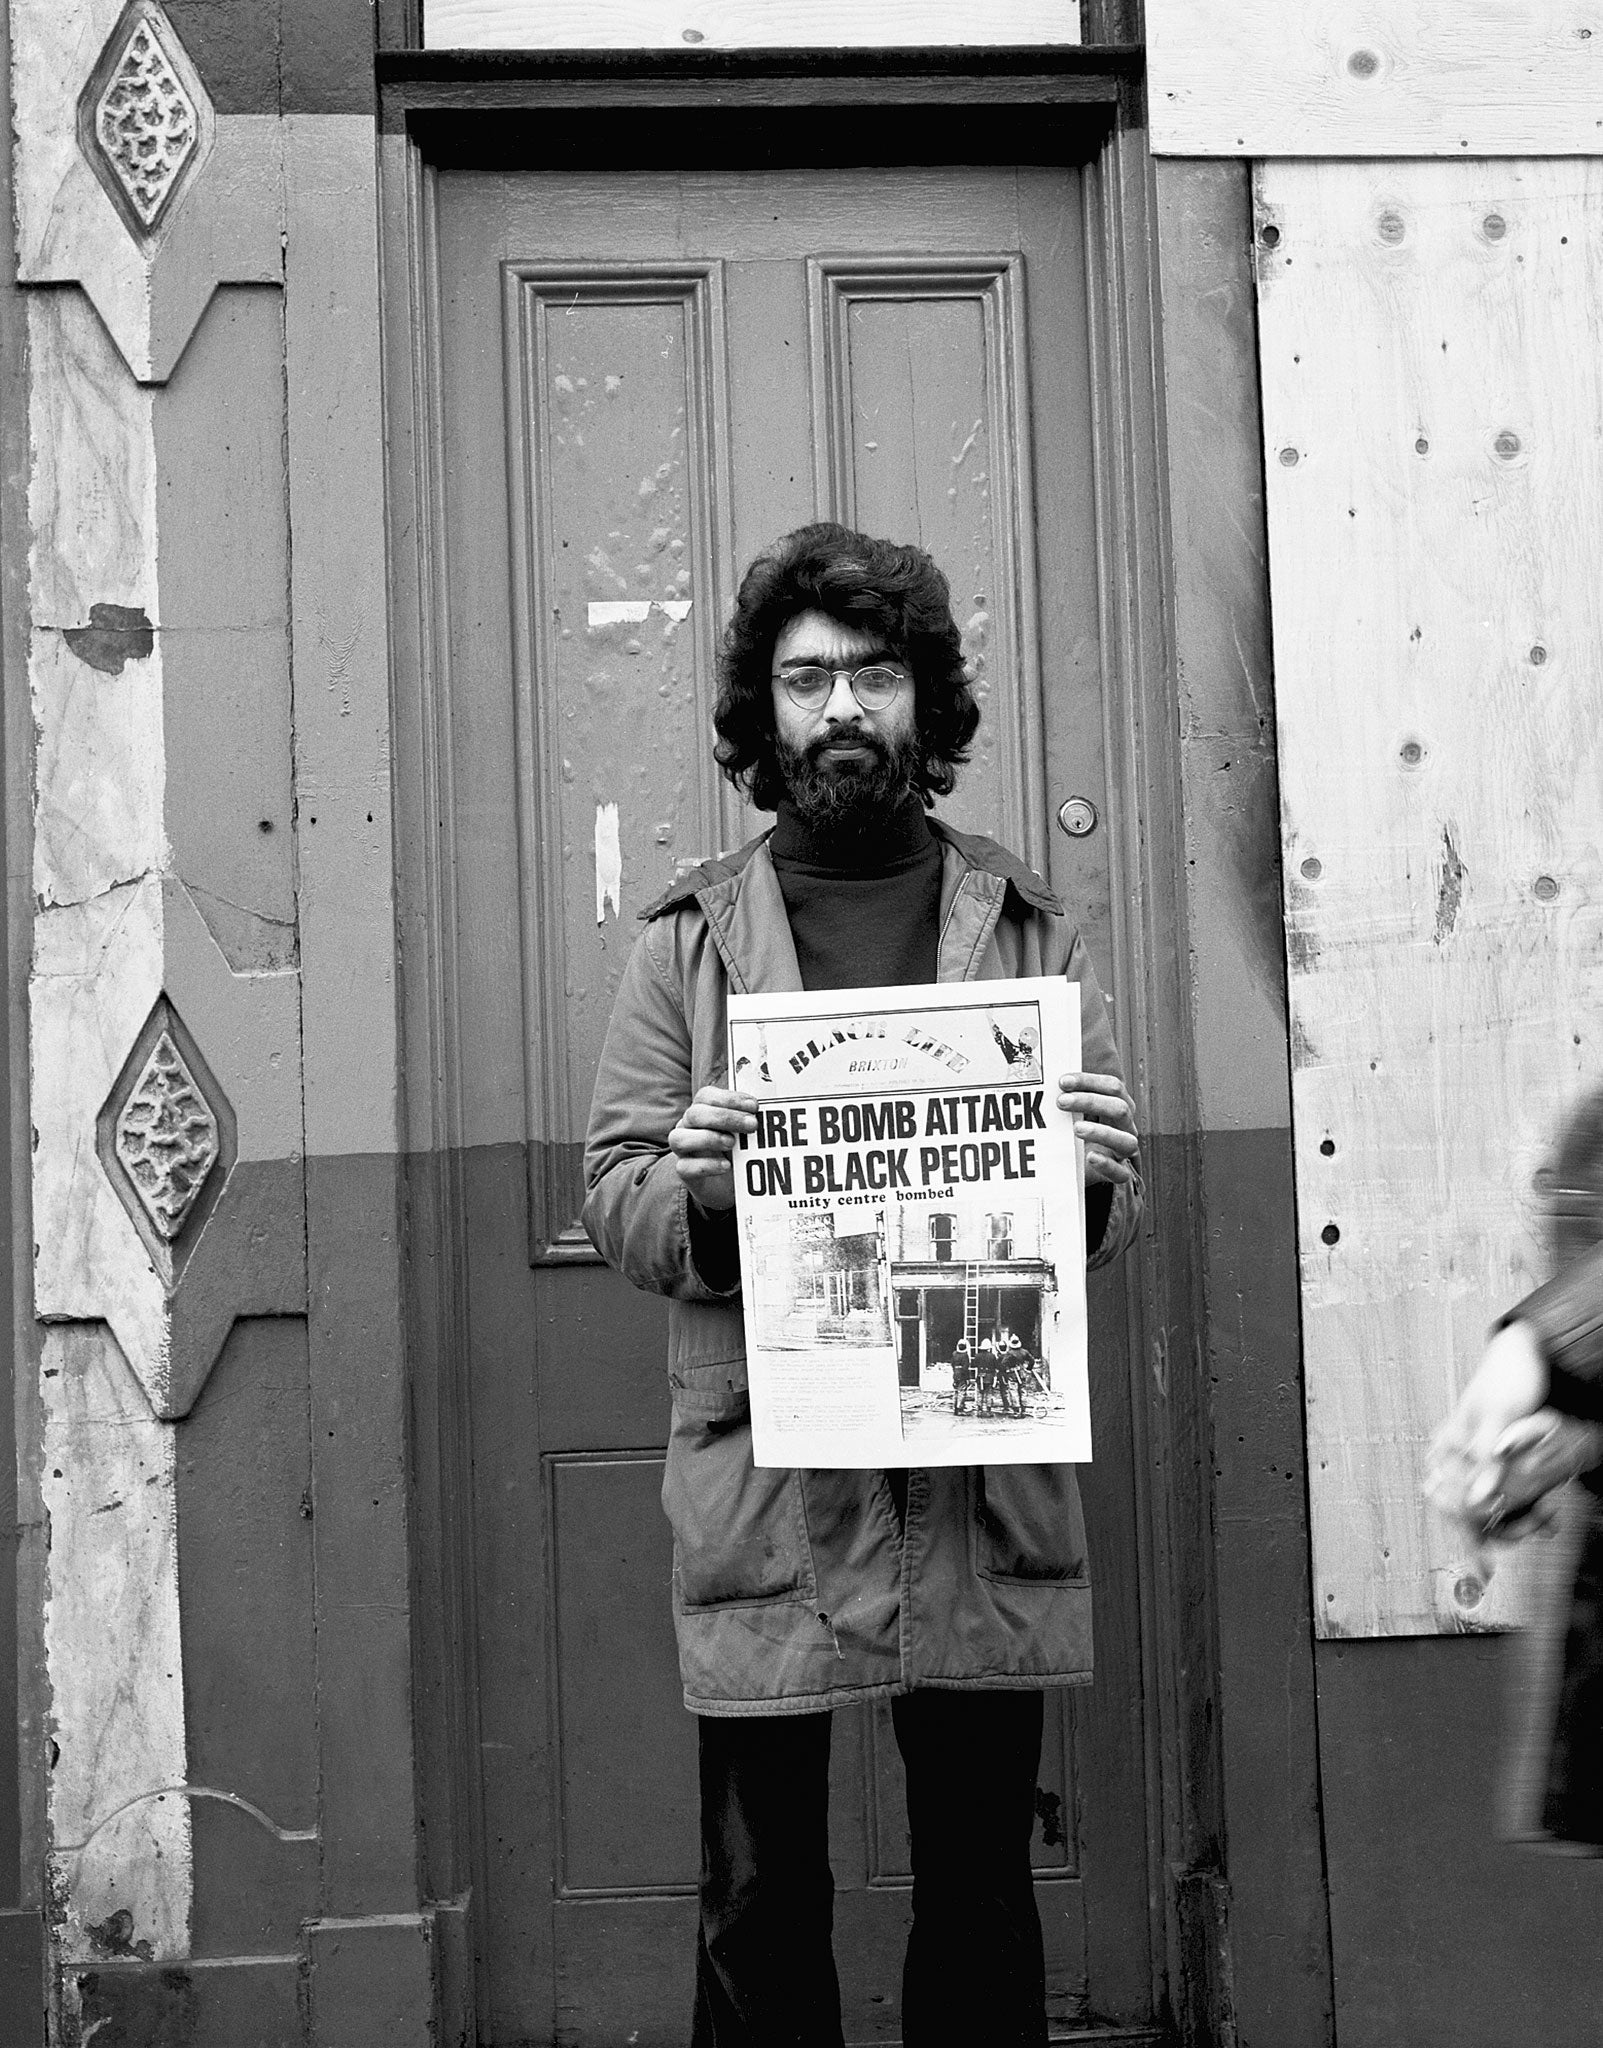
x: 846, y: 735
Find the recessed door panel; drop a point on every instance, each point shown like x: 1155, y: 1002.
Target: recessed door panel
x: 625, y: 1750
x: 920, y: 416
x: 615, y: 404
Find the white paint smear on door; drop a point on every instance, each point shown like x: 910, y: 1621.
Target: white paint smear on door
x: 609, y: 862
x: 634, y: 611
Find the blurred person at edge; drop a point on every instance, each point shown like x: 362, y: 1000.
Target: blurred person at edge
x: 1529, y: 1422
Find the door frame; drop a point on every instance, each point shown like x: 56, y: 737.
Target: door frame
x: 1095, y: 97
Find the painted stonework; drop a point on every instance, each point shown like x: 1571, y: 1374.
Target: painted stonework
x: 212, y: 885
x: 148, y: 244
x: 109, y: 1486
x: 91, y: 486
x: 189, y: 1210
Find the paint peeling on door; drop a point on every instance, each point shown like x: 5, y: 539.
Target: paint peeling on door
x: 609, y: 862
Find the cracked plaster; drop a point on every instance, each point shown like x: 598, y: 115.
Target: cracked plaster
x: 92, y: 481
x: 112, y: 1650
x: 100, y: 773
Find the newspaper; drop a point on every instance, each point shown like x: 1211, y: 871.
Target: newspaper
x: 912, y: 1225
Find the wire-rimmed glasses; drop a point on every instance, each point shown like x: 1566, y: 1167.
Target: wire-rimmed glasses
x: 810, y: 688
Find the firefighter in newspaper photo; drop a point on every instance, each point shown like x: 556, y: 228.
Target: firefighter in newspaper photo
x: 959, y: 1593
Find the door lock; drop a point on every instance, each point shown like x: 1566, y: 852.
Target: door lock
x: 1077, y: 815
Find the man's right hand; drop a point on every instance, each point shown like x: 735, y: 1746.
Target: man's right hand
x: 703, y: 1143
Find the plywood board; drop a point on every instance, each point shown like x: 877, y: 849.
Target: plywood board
x: 1388, y: 78
x: 1433, y: 421
x: 741, y: 24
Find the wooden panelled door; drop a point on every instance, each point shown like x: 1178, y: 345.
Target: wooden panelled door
x: 642, y: 379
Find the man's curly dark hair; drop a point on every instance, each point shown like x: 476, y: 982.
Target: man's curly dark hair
x: 894, y: 592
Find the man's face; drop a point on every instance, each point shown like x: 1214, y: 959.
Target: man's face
x: 841, y: 763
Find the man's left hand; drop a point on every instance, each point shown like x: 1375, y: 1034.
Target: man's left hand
x: 1104, y: 1122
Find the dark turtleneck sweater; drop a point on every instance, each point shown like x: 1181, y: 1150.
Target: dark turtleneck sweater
x: 864, y: 912
x: 864, y: 908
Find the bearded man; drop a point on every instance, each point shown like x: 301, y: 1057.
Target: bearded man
x: 959, y: 1593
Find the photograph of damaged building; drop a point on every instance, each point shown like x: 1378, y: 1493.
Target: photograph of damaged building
x: 951, y: 1270
x: 965, y: 1271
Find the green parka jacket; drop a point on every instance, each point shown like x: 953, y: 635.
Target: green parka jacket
x: 796, y: 1591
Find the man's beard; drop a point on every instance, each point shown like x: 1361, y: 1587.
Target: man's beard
x: 850, y: 795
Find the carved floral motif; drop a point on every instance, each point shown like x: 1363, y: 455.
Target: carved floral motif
x: 167, y: 1138
x: 146, y: 123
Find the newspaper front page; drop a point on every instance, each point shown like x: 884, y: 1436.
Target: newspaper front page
x: 912, y: 1225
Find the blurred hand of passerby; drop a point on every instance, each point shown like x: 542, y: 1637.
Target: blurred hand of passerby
x: 1497, y: 1462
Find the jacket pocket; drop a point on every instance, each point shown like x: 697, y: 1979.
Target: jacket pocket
x: 740, y: 1535
x: 1028, y: 1525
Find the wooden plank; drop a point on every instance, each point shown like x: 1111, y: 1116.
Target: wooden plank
x: 740, y: 24
x: 1412, y: 78
x: 1433, y: 423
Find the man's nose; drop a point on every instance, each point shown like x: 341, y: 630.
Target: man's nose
x: 841, y: 707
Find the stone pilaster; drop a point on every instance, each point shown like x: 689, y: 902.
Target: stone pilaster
x: 172, y: 441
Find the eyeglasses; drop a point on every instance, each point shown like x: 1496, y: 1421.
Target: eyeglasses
x: 874, y: 687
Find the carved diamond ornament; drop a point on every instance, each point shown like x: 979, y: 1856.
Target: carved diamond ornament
x: 144, y: 118
x: 167, y: 1138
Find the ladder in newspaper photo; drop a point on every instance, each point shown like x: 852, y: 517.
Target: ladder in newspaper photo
x: 971, y: 1308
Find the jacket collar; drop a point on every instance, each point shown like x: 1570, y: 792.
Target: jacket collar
x: 990, y: 857
x: 974, y: 852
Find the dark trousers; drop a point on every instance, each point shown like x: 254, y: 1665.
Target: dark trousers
x: 765, y: 1970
